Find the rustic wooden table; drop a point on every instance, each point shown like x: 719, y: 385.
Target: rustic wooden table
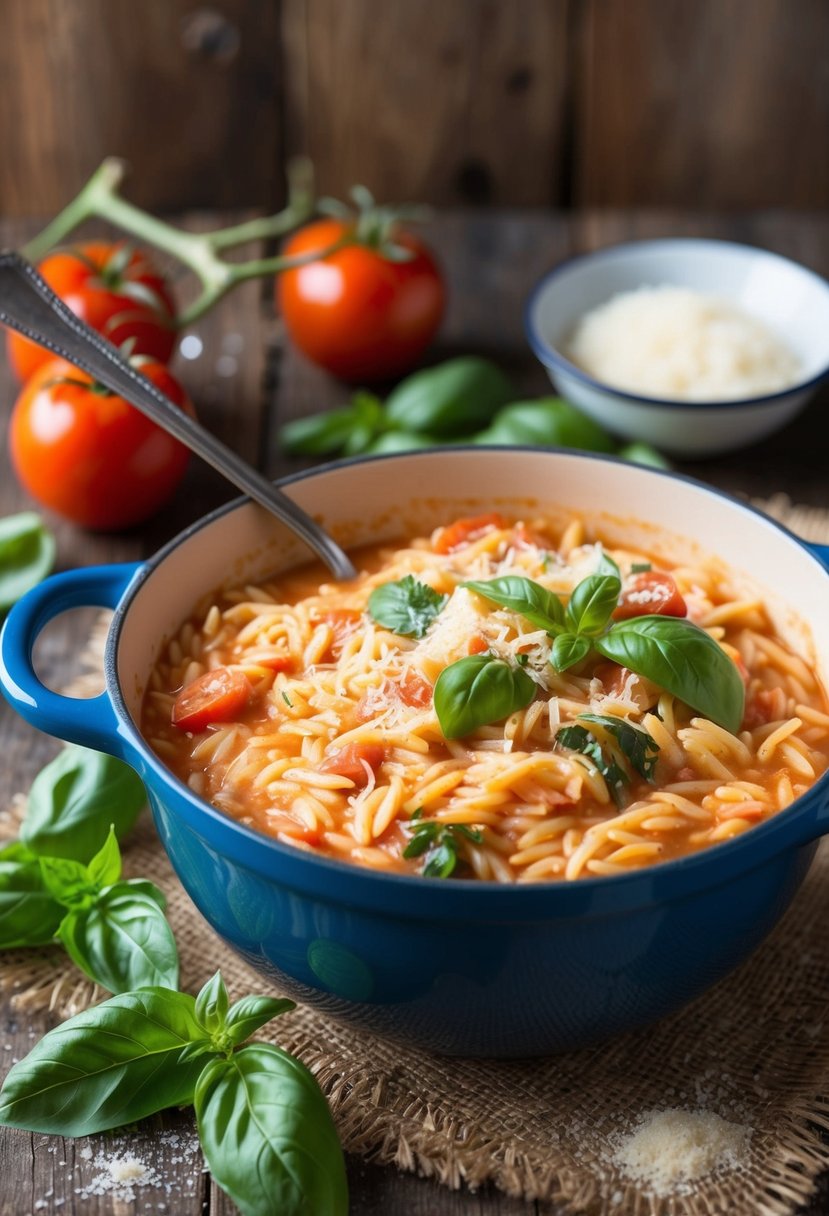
x: 246, y: 381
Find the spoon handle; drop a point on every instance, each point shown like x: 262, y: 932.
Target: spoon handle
x: 29, y: 305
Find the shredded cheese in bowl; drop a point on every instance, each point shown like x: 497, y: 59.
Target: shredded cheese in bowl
x: 674, y: 342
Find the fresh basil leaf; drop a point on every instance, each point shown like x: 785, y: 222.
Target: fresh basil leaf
x: 407, y: 607
x: 452, y: 398
x: 142, y: 886
x: 568, y: 650
x: 67, y: 881
x: 478, y: 690
x: 29, y: 913
x: 578, y: 739
x: 608, y: 566
x: 212, y: 1004
x: 439, y: 841
x: 545, y: 422
x: 75, y: 798
x: 639, y: 748
x: 122, y: 942
x: 318, y: 434
x: 592, y: 602
x: 369, y: 421
x: 247, y: 1015
x: 27, y: 554
x: 105, y: 867
x: 110, y: 1065
x: 268, y: 1136
x: 682, y: 658
x: 541, y: 607
x: 643, y: 453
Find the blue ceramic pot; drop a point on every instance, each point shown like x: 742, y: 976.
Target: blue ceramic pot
x: 451, y: 966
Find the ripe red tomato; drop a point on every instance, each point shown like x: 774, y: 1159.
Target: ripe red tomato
x: 355, y: 312
x: 117, y: 291
x: 88, y: 455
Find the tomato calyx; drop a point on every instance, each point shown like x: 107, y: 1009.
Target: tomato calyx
x: 372, y: 226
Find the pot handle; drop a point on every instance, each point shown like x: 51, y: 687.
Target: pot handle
x: 90, y: 721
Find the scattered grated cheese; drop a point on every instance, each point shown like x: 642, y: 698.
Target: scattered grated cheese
x: 672, y: 1148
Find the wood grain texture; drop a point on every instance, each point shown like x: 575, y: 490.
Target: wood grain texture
x: 188, y: 96
x: 434, y: 101
x: 719, y: 103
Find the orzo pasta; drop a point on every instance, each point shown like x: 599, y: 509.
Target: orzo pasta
x: 501, y: 700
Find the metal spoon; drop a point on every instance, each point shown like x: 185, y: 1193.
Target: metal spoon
x: 29, y: 305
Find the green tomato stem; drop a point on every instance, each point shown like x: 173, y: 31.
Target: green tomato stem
x: 199, y: 252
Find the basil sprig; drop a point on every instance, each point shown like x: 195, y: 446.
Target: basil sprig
x: 670, y: 651
x: 407, y: 607
x: 27, y: 554
x: 75, y: 798
x: 478, y: 690
x: 264, y: 1124
x: 439, y: 842
x: 61, y: 881
x: 113, y: 929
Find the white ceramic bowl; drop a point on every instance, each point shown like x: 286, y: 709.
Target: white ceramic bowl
x: 792, y: 301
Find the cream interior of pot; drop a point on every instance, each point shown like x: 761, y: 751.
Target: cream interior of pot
x: 412, y: 494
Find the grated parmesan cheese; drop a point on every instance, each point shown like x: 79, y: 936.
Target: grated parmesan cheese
x: 675, y: 342
x: 672, y: 1148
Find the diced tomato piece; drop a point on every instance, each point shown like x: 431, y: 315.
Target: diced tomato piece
x: 284, y: 824
x: 524, y: 538
x: 652, y: 591
x: 686, y: 773
x: 276, y: 662
x: 217, y: 696
x: 765, y: 706
x: 343, y: 622
x: 612, y: 677
x: 350, y: 761
x: 414, y: 690
x: 464, y: 531
x: 477, y: 644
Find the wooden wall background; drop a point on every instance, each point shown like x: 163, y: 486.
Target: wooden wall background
x: 709, y: 103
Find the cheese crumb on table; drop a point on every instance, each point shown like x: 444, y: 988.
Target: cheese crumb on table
x: 672, y: 1148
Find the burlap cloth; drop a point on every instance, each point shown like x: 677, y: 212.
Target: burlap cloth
x: 754, y: 1050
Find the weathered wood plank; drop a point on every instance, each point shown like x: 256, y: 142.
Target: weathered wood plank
x: 432, y: 101
x: 712, y: 104
x: 187, y: 94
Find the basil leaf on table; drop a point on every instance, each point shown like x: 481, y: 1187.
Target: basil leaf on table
x: 568, y: 650
x: 67, y: 881
x: 453, y: 398
x: 318, y: 434
x: 122, y: 942
x: 246, y: 1016
x: 110, y: 1065
x: 27, y: 555
x: 478, y: 690
x: 682, y: 658
x: 541, y: 607
x: 406, y: 607
x: 368, y: 421
x: 212, y: 1004
x: 268, y: 1135
x: 546, y: 422
x: 592, y: 602
x: 29, y: 913
x: 75, y: 798
x: 402, y: 441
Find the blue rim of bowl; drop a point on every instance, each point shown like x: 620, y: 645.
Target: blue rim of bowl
x: 552, y: 358
x: 590, y: 895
